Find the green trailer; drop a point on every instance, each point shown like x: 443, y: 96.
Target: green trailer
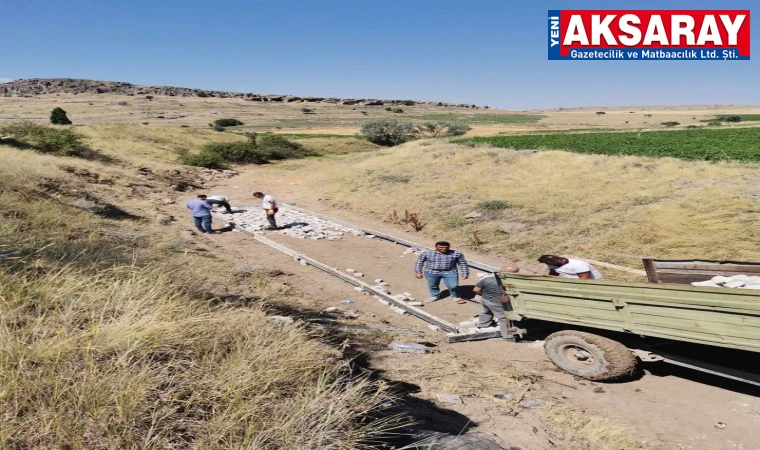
x: 610, y: 326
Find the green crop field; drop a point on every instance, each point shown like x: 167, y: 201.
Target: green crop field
x: 736, y: 144
x: 745, y: 118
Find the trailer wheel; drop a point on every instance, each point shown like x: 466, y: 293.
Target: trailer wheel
x: 589, y: 356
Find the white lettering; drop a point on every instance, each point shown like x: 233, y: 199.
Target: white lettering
x: 709, y: 32
x: 681, y: 25
x: 656, y: 31
x: 626, y: 27
x: 602, y: 28
x: 575, y: 31
x: 732, y: 27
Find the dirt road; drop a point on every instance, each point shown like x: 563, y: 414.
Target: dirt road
x: 668, y: 408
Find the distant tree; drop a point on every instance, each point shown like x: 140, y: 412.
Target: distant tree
x: 398, y: 110
x: 227, y: 122
x: 732, y: 119
x: 408, y: 102
x: 58, y: 117
x: 599, y: 113
x: 389, y: 132
x: 202, y: 94
x: 670, y: 124
x: 149, y: 97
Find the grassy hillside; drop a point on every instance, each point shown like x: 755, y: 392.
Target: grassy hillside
x: 737, y: 144
x: 612, y: 208
x: 119, y: 332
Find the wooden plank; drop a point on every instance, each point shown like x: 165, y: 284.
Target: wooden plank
x: 608, y: 265
x: 651, y: 270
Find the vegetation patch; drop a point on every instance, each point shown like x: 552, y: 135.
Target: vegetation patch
x: 493, y: 205
x: 734, y: 118
x: 482, y: 118
x: 227, y: 122
x: 739, y: 144
x: 218, y: 155
x: 44, y: 139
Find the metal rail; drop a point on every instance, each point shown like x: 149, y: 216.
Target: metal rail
x: 387, y: 237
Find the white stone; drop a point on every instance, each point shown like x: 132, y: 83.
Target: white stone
x: 468, y: 324
x: 708, y: 283
x: 753, y: 287
x: 378, y: 281
x: 358, y: 289
x: 734, y: 284
x: 407, y: 294
x: 358, y: 274
x: 398, y: 310
x: 434, y: 327
x: 414, y: 303
x: 330, y: 309
x: 384, y: 302
x: 350, y: 270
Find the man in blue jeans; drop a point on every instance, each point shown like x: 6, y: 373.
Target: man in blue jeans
x: 201, y: 212
x: 442, y: 264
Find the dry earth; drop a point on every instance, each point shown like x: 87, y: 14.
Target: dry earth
x: 194, y: 112
x: 665, y: 407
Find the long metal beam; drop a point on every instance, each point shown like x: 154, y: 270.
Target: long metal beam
x: 388, y: 237
x: 427, y: 317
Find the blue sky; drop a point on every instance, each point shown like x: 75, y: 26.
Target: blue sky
x: 486, y: 52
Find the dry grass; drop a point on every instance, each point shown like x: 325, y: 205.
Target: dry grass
x: 113, y: 335
x: 581, y: 431
x: 613, y: 209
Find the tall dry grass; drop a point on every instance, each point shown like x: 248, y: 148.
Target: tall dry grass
x: 116, y: 339
x: 615, y: 209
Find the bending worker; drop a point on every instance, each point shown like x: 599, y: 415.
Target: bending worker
x: 570, y: 268
x: 491, y: 307
x: 269, y: 204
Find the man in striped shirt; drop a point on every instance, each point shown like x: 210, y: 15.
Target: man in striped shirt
x: 442, y: 264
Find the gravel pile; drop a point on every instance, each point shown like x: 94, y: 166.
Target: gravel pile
x: 734, y: 281
x: 295, y: 224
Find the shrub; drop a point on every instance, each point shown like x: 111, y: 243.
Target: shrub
x: 714, y: 123
x: 388, y: 132
x: 205, y: 159
x: 202, y: 94
x: 732, y: 119
x: 44, y: 139
x: 307, y: 110
x: 228, y: 122
x: 217, y: 127
x: 398, y: 110
x: 276, y: 147
x: 493, y: 205
x: 670, y: 124
x: 408, y: 103
x: 149, y: 97
x: 388, y: 108
x: 123, y: 103
x: 237, y: 152
x: 396, y: 178
x: 438, y: 129
x: 58, y: 117
x: 599, y: 113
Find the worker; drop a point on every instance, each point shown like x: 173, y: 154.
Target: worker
x: 570, y: 268
x: 269, y: 204
x: 488, y: 292
x: 201, y: 212
x: 442, y: 264
x: 220, y: 200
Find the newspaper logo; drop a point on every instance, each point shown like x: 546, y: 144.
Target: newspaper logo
x: 649, y: 35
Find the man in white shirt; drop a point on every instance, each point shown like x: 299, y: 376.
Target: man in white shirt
x: 269, y: 204
x: 220, y: 200
x: 570, y: 268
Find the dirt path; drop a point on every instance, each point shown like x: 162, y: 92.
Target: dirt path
x: 671, y: 409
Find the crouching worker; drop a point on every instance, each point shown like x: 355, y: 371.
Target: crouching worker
x: 220, y: 200
x: 491, y: 306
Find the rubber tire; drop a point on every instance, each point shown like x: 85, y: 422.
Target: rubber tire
x: 612, y: 359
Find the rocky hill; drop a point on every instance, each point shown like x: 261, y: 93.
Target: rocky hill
x: 40, y: 86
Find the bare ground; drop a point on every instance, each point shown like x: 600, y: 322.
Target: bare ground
x: 665, y: 407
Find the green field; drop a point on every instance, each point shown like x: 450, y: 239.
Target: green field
x: 745, y: 118
x: 736, y: 144
x: 476, y: 118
